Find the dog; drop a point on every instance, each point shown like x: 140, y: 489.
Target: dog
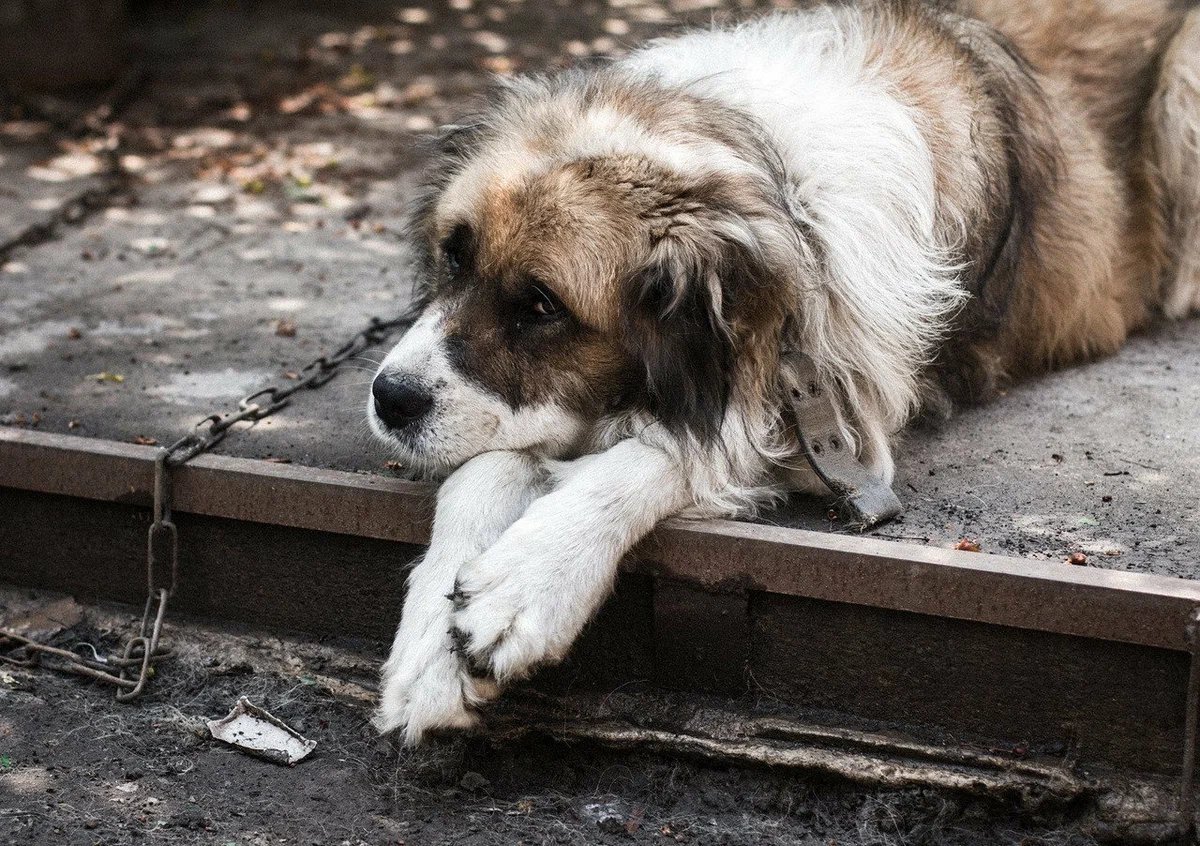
x: 928, y: 200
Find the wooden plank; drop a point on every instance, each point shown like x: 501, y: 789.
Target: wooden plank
x: 718, y: 555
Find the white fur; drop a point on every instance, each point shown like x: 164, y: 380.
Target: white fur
x: 533, y: 572
x: 532, y: 592
x: 1175, y: 118
x: 424, y: 685
x: 466, y: 420
x: 862, y: 178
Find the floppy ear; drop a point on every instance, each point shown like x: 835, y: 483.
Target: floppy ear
x: 678, y: 336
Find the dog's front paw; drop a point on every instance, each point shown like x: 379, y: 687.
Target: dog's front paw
x: 521, y: 604
x: 427, y: 688
x: 422, y: 696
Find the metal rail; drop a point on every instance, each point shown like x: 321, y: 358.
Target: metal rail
x: 1104, y: 604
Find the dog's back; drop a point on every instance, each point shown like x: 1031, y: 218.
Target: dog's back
x: 1108, y: 51
x: 1065, y: 140
x: 1133, y: 68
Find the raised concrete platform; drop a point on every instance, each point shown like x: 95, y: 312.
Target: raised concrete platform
x: 259, y: 178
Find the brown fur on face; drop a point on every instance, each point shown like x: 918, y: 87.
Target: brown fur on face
x: 525, y: 240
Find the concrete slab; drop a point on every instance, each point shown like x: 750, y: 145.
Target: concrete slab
x: 267, y: 160
x: 1103, y: 459
x: 44, y: 179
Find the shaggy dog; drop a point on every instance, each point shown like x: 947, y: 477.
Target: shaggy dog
x: 927, y: 200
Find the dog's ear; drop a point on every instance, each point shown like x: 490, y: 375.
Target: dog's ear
x: 678, y: 336
x: 456, y: 140
x: 448, y: 151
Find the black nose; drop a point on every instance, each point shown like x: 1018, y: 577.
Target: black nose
x: 400, y: 400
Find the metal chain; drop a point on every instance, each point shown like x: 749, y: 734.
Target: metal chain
x: 135, y: 666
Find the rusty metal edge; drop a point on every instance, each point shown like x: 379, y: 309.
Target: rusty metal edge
x: 1111, y: 605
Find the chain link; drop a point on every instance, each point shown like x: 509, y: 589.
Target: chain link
x: 135, y: 667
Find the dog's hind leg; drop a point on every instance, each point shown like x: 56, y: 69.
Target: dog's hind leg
x: 1174, y: 126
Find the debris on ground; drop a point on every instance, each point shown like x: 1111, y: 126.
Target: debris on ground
x: 105, y: 376
x: 78, y: 768
x: 42, y: 622
x: 258, y: 732
x: 151, y: 247
x: 967, y: 545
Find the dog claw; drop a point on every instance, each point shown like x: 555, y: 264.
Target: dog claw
x: 459, y: 641
x: 457, y: 597
x: 476, y: 667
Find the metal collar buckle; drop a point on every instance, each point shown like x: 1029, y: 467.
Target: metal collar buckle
x: 863, y: 499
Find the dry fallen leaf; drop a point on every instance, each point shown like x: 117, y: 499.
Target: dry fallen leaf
x: 285, y: 328
x: 74, y: 334
x: 105, y: 376
x: 142, y: 440
x: 357, y: 79
x: 1077, y: 559
x: 634, y: 822
x: 418, y: 92
x: 502, y: 65
x: 967, y: 545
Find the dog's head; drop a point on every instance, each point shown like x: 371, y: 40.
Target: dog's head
x: 579, y: 263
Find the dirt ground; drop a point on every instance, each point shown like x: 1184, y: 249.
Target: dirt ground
x: 78, y: 768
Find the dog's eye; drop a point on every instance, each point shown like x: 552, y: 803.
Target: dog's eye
x: 544, y: 305
x: 456, y: 248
